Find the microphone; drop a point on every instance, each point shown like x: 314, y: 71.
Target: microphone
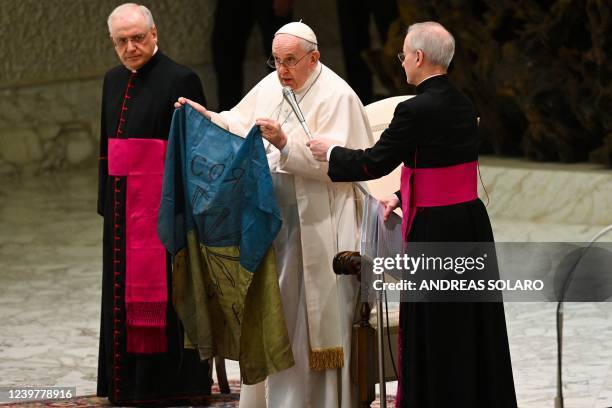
x: 290, y: 98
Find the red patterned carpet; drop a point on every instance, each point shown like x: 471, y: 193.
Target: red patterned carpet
x: 215, y: 400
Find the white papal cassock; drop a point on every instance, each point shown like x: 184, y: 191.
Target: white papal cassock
x: 320, y: 218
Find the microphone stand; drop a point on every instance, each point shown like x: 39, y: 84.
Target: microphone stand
x: 382, y: 397
x: 559, y: 397
x: 289, y: 96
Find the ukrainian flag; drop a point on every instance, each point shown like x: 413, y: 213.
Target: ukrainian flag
x: 218, y: 218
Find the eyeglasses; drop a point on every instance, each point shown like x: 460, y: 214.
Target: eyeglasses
x: 402, y: 56
x: 122, y: 42
x: 289, y: 62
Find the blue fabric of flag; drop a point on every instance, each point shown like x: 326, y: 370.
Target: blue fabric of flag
x: 220, y: 184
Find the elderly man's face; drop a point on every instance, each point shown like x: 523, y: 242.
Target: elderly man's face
x: 134, y: 40
x: 409, y: 63
x: 286, y: 49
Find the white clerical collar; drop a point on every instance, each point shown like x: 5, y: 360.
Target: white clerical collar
x: 313, y: 77
x: 431, y: 76
x: 154, y: 52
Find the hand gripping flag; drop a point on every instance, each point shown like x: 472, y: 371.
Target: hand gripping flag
x: 218, y: 217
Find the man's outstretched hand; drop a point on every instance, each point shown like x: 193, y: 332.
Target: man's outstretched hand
x: 271, y: 131
x: 319, y: 148
x: 182, y: 101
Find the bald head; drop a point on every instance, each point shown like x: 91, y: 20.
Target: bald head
x: 436, y: 42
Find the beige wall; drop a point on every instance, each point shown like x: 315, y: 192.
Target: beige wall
x: 54, y: 53
x: 66, y: 39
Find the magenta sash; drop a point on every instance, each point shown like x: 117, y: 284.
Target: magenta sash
x: 433, y: 187
x: 141, y: 161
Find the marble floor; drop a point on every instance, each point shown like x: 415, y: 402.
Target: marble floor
x: 50, y: 263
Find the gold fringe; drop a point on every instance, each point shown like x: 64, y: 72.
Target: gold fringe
x: 324, y: 359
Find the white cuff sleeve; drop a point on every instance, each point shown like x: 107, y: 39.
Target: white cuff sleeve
x: 329, y: 151
x: 285, y: 150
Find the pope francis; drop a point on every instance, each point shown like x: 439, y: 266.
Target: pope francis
x: 319, y: 217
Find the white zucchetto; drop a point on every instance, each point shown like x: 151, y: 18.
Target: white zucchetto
x: 298, y: 29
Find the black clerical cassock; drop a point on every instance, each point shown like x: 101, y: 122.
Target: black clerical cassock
x: 141, y: 359
x: 451, y: 354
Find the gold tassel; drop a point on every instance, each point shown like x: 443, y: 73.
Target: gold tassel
x: 325, y: 359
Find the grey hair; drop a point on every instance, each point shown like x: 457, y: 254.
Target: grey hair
x: 308, y: 46
x: 436, y: 42
x: 146, y: 13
